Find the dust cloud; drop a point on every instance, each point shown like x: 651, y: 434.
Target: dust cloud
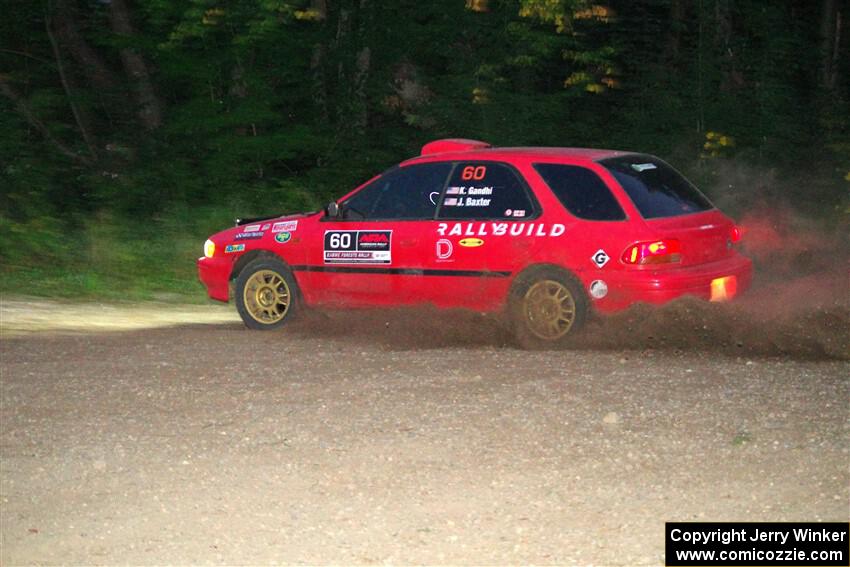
x: 798, y: 306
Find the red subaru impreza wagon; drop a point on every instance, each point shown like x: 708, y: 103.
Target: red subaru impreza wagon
x: 543, y: 235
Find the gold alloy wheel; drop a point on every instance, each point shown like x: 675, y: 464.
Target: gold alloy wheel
x: 550, y: 309
x: 267, y: 297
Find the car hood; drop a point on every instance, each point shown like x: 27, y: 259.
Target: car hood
x: 248, y: 225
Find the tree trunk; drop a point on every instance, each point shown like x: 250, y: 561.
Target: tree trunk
x: 317, y: 65
x: 91, y: 64
x: 830, y: 40
x: 731, y: 77
x: 22, y: 108
x: 677, y: 25
x: 320, y: 87
x: 362, y: 68
x: 81, y: 116
x: 361, y: 103
x: 320, y: 7
x: 150, y: 107
x: 837, y: 50
x: 342, y: 66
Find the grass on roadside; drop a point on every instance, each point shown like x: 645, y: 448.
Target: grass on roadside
x: 109, y: 258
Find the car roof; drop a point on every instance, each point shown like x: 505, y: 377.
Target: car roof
x: 499, y: 153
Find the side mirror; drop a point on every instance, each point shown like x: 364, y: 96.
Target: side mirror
x: 332, y: 209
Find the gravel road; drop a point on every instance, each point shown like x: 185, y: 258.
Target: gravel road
x: 393, y: 441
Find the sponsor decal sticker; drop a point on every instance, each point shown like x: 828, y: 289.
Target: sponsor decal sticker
x: 373, y: 240
x: 265, y: 226
x: 445, y: 249
x: 474, y: 172
x: 519, y: 213
x: 283, y: 237
x: 231, y: 248
x: 600, y: 258
x: 285, y: 226
x: 249, y: 235
x: 643, y: 166
x: 529, y: 229
x: 432, y: 196
x: 358, y: 247
x: 471, y: 242
x: 468, y: 196
x: 251, y: 228
x: 598, y: 289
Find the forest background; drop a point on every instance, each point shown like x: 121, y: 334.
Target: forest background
x: 130, y: 130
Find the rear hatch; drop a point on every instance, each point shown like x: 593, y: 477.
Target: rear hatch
x: 705, y: 237
x: 673, y: 207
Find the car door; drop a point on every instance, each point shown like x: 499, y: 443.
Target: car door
x: 372, y: 252
x: 486, y: 219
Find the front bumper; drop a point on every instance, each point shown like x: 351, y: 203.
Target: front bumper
x: 214, y: 273
x: 663, y: 285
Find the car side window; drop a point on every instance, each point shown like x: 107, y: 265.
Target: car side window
x: 485, y: 190
x: 409, y: 192
x: 581, y: 191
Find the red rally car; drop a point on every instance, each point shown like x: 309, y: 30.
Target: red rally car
x: 543, y: 235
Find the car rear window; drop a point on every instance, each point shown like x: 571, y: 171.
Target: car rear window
x: 656, y: 189
x: 581, y: 192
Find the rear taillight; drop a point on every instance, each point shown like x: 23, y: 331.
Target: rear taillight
x: 735, y: 234
x: 657, y: 252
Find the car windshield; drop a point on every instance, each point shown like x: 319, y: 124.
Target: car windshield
x: 656, y: 189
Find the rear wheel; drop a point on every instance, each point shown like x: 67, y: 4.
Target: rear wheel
x: 547, y: 308
x: 266, y: 294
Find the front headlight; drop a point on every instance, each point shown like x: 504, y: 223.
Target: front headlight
x: 209, y: 248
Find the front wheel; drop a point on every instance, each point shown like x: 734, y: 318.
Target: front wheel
x: 266, y: 296
x: 547, y: 307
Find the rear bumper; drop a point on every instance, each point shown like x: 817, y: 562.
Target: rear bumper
x: 214, y: 273
x: 660, y: 286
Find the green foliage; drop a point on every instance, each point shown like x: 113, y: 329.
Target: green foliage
x: 108, y: 256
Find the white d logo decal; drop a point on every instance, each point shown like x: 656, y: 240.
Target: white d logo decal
x: 444, y: 249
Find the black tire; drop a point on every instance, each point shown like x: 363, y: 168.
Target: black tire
x: 547, y: 307
x: 266, y: 294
